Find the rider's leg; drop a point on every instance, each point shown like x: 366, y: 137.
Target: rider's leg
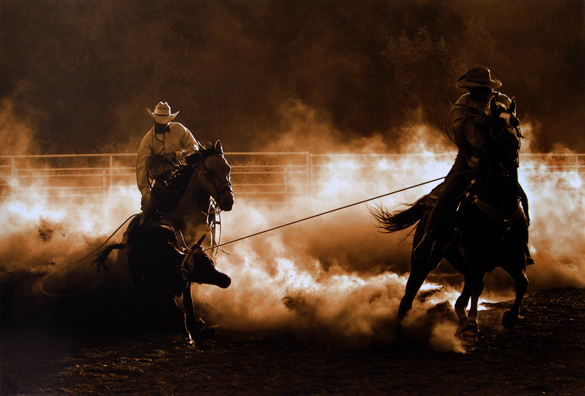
x: 452, y: 188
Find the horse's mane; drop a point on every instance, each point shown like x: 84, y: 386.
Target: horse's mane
x: 204, y: 150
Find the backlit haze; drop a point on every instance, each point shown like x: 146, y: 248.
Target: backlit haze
x: 337, y: 77
x: 333, y: 276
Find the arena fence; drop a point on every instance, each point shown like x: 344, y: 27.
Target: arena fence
x: 258, y: 174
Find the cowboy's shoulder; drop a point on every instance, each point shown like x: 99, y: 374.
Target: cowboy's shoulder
x: 177, y: 126
x: 463, y: 99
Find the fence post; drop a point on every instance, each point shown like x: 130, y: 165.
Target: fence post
x: 286, y: 181
x: 310, y: 171
x: 13, y: 173
x: 111, y: 172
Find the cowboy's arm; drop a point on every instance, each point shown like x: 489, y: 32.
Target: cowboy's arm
x: 188, y: 145
x: 503, y: 99
x: 467, y: 135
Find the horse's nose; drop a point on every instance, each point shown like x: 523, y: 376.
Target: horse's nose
x: 227, y: 201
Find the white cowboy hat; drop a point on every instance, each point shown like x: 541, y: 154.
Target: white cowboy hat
x: 477, y: 77
x: 162, y: 113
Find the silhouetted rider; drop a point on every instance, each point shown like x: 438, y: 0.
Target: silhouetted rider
x: 469, y: 134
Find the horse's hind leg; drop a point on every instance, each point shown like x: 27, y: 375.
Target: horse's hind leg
x: 419, y: 272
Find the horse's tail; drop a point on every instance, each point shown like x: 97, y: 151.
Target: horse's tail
x: 102, y: 259
x: 397, y: 221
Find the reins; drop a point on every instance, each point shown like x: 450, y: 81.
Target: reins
x: 324, y: 213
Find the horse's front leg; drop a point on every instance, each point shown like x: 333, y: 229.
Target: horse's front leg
x: 511, y: 317
x: 471, y: 329
x: 461, y: 306
x: 185, y: 304
x: 195, y: 328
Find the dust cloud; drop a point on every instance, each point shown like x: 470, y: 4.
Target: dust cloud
x: 373, y: 78
x: 333, y: 277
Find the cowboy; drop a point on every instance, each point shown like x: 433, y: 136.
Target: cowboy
x: 162, y: 149
x: 469, y: 135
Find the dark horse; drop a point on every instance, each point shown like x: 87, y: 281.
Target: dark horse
x: 159, y: 248
x: 488, y: 228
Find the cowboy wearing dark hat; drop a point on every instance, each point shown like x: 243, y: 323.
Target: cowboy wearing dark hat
x: 470, y: 139
x: 160, y: 151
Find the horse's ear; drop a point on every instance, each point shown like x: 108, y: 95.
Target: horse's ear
x: 218, y: 147
x: 513, y: 106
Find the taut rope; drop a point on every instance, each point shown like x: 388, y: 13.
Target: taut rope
x: 324, y: 213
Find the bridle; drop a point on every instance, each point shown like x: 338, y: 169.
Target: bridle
x: 218, y: 189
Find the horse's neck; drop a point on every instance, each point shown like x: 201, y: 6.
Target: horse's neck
x: 192, y: 209
x: 500, y: 188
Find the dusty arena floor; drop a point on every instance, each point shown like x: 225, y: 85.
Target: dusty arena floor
x: 545, y: 354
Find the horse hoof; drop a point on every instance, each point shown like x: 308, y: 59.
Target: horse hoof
x: 205, y: 333
x: 470, y: 332
x: 509, y: 320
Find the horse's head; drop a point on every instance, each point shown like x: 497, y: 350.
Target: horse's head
x: 198, y: 267
x: 217, y: 180
x: 504, y: 130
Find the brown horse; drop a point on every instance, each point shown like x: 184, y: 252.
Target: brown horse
x: 489, y: 229
x: 160, y: 249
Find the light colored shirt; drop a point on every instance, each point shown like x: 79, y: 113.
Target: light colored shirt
x: 150, y: 161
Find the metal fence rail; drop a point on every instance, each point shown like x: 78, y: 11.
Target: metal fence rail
x: 255, y: 174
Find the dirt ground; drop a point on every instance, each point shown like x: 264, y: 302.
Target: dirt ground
x: 545, y: 354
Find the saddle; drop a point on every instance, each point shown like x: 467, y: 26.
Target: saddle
x: 469, y: 193
x: 144, y: 221
x: 169, y: 187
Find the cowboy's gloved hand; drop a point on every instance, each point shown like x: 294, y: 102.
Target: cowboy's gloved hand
x: 180, y: 158
x: 191, y: 157
x: 145, y: 202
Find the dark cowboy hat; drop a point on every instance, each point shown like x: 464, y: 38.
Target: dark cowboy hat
x: 477, y: 77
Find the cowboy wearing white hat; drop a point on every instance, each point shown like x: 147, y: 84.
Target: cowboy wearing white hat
x: 160, y: 150
x: 162, y: 113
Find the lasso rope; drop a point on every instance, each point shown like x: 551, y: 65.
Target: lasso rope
x: 81, y: 259
x: 324, y: 213
x: 232, y: 241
